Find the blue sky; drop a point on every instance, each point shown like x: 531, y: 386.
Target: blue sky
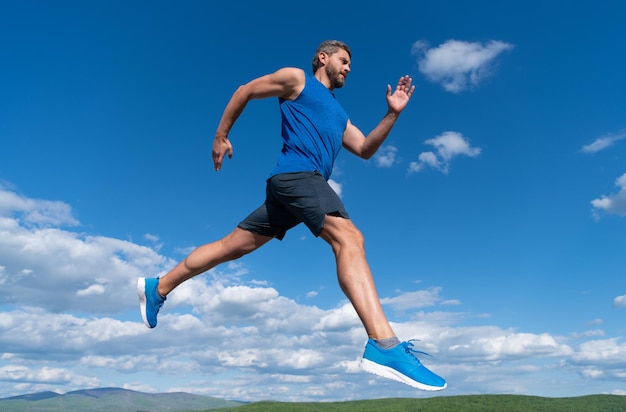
x: 494, y: 215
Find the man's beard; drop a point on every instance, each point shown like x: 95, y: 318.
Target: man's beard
x: 336, y: 80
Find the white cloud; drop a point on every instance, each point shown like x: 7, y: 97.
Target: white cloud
x: 45, y: 375
x: 34, y: 211
x: 61, y: 270
x: 341, y: 318
x: 603, y: 143
x: 414, y: 300
x: 154, y: 239
x: 602, y: 352
x: 613, y: 204
x: 151, y: 237
x: 91, y: 290
x: 448, y: 145
x: 452, y: 144
x: 337, y: 187
x: 69, y: 320
x: 184, y: 250
x: 619, y: 302
x: 588, y: 334
x: 425, y: 159
x: 458, y: 65
x: 493, y: 344
x: 386, y: 156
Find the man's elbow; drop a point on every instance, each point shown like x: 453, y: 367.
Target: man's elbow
x: 243, y: 92
x: 366, y: 153
x: 360, y: 152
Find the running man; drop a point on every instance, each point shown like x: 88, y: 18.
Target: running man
x: 314, y: 129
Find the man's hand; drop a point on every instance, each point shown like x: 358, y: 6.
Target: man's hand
x: 221, y: 146
x: 400, y: 97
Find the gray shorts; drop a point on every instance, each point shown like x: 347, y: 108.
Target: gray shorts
x: 293, y: 198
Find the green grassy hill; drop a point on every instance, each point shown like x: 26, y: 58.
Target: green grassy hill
x: 471, y: 403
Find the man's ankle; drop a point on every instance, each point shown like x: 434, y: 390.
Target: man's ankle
x: 387, y: 343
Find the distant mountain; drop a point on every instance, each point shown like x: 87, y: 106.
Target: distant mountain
x: 33, y: 396
x: 112, y: 399
x: 100, y: 392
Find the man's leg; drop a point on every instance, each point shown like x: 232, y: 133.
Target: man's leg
x: 152, y: 292
x: 355, y: 278
x: 354, y: 275
x: 235, y: 245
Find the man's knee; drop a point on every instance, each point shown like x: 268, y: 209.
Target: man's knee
x: 241, y: 242
x: 342, y: 232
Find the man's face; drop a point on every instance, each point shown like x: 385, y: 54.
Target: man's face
x: 337, y: 68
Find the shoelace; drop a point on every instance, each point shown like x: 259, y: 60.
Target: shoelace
x: 408, y: 347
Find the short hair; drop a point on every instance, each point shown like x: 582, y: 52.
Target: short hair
x: 329, y: 47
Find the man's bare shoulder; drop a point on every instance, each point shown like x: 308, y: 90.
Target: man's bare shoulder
x: 293, y: 79
x: 291, y: 74
x: 286, y: 83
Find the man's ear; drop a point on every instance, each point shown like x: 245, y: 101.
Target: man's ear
x: 323, y: 57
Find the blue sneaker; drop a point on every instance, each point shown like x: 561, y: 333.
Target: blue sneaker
x: 150, y: 301
x: 400, y: 364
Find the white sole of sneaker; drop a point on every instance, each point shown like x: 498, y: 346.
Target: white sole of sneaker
x: 141, y: 293
x: 387, y: 372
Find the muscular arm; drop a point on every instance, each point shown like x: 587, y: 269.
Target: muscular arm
x: 356, y: 142
x: 286, y: 83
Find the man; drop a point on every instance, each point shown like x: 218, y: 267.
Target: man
x: 314, y: 128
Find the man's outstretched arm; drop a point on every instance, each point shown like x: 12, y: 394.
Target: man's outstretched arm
x: 286, y: 83
x: 356, y: 142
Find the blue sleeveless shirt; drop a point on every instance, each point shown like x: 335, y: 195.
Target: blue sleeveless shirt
x: 312, y: 130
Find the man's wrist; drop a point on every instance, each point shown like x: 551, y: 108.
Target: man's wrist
x: 392, y: 114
